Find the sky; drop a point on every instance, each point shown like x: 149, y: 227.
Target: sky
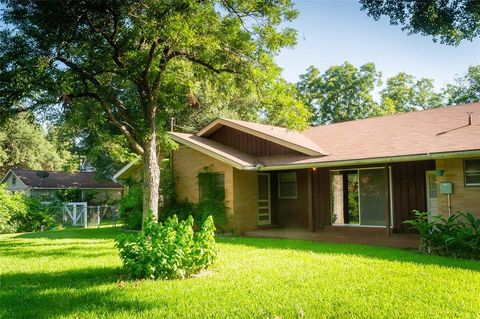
x: 332, y: 32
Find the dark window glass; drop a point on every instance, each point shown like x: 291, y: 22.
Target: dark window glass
x: 212, y: 186
x: 472, y: 172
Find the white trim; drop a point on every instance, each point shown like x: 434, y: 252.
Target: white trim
x: 211, y: 153
x: 124, y: 169
x: 269, y: 201
x: 390, y: 190
x: 378, y: 160
x: 291, y: 145
x: 465, y: 173
x: 5, y: 178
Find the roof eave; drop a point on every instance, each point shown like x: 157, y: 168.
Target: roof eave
x: 378, y: 160
x: 216, y: 155
x: 215, y: 125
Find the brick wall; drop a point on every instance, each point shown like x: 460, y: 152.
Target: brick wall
x: 245, y: 203
x: 187, y: 164
x: 464, y: 198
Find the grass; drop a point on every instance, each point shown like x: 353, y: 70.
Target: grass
x: 76, y: 273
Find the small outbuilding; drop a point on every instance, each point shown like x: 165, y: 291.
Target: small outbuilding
x: 35, y: 182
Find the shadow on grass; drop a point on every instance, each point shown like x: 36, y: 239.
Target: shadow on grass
x: 75, y: 233
x: 64, y: 293
x: 374, y: 252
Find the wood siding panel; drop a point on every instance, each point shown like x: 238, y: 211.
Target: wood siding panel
x: 408, y: 186
x: 291, y: 213
x: 248, y: 143
x: 408, y: 181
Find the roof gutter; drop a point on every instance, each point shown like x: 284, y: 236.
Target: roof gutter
x: 378, y: 160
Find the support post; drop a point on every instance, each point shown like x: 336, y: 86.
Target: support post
x: 387, y: 201
x: 311, y: 226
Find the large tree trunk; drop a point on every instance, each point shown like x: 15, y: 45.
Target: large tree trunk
x: 151, y: 178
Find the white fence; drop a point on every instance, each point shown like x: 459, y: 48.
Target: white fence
x: 80, y: 214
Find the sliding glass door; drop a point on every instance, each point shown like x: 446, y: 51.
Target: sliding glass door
x: 359, y: 197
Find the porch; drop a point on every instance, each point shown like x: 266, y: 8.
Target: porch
x: 344, y: 235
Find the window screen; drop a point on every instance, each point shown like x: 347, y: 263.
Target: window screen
x: 472, y: 172
x: 287, y: 185
x: 211, y: 186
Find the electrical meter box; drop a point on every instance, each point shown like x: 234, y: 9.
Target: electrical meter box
x: 446, y: 188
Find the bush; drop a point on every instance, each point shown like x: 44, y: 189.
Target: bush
x: 11, y: 204
x: 455, y: 236
x: 200, y: 212
x: 131, y: 208
x: 24, y: 214
x: 39, y: 216
x: 168, y: 250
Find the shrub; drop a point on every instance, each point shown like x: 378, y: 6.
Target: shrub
x: 131, y: 208
x: 39, y: 216
x: 455, y: 236
x: 11, y: 204
x: 168, y: 250
x: 200, y: 212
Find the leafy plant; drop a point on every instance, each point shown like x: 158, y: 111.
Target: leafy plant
x: 168, y: 250
x: 455, y: 236
x: 11, y: 204
x: 131, y: 207
x: 24, y: 214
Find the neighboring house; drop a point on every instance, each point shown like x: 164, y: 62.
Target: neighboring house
x: 41, y: 183
x: 368, y: 173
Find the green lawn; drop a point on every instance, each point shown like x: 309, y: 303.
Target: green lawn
x: 76, y: 273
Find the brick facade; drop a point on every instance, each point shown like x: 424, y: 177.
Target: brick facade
x: 187, y: 164
x: 464, y: 198
x: 240, y: 186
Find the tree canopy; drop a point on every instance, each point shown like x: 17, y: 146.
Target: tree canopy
x: 24, y: 144
x: 402, y: 93
x: 466, y: 88
x: 132, y: 63
x: 447, y: 21
x: 341, y: 93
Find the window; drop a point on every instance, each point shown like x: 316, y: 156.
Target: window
x: 287, y: 185
x: 358, y: 197
x: 472, y: 172
x: 211, y: 186
x: 14, y: 181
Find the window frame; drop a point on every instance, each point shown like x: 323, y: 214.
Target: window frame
x: 280, y: 196
x: 465, y: 172
x: 213, y: 176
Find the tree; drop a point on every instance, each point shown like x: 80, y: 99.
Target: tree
x: 403, y: 94
x: 112, y: 59
x: 466, y: 89
x: 24, y: 144
x: 449, y: 21
x: 341, y: 93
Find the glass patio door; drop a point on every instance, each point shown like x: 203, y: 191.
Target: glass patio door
x: 372, y: 194
x: 359, y: 197
x: 264, y: 207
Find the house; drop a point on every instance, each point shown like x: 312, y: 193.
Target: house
x: 353, y: 176
x: 36, y: 183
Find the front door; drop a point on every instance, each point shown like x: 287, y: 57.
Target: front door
x: 431, y: 183
x: 264, y: 207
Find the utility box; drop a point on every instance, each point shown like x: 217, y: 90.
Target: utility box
x: 446, y: 188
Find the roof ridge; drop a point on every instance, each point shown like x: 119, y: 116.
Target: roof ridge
x: 436, y: 109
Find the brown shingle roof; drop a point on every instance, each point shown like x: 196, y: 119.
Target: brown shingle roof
x: 433, y: 131
x: 62, y: 180
x: 421, y: 133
